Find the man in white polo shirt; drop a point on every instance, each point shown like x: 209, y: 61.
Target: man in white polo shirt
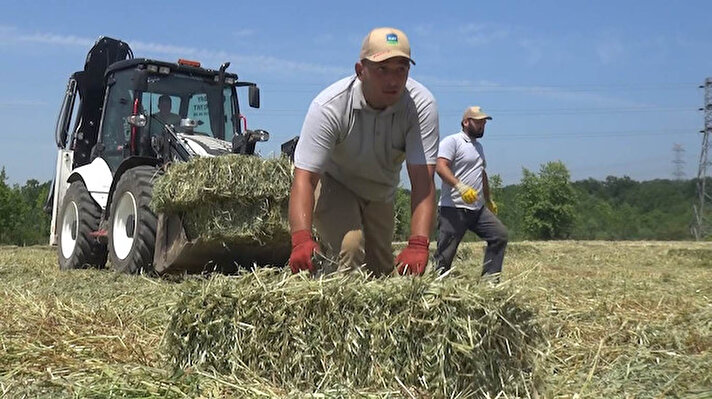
x: 348, y: 159
x: 461, y: 166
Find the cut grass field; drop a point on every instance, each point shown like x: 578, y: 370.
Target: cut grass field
x: 621, y: 320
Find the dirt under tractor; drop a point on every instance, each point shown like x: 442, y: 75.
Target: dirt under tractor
x: 122, y: 120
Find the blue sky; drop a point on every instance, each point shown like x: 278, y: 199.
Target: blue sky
x: 607, y: 87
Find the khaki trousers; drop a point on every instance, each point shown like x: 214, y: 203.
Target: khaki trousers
x: 356, y: 232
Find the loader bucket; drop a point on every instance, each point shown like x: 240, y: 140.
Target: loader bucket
x: 176, y: 253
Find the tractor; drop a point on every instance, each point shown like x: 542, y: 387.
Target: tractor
x: 123, y: 120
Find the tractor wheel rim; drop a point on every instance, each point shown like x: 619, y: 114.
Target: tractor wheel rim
x: 122, y: 237
x: 70, y: 227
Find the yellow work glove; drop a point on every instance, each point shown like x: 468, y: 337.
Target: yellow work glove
x: 492, y: 206
x: 469, y: 194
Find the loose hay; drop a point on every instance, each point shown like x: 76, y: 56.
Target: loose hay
x: 701, y: 256
x: 621, y: 319
x: 444, y: 337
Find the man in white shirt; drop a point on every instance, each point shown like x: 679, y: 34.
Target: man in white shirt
x: 348, y: 159
x: 461, y: 166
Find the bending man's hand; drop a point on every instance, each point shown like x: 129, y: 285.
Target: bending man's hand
x: 414, y: 257
x: 303, y: 248
x: 469, y: 194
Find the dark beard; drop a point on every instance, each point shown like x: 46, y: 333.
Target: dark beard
x: 475, y: 134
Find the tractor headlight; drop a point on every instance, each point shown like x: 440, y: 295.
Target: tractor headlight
x: 259, y: 135
x: 137, y: 120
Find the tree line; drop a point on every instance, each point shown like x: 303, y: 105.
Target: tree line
x: 545, y: 205
x: 23, y: 220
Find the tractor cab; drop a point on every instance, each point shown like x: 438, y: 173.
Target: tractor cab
x: 172, y: 111
x: 126, y: 105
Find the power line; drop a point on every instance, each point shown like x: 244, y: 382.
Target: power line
x: 513, y: 87
x: 579, y: 111
x: 591, y: 87
x: 524, y: 111
x: 647, y: 162
x: 548, y: 89
x: 620, y: 133
x: 555, y: 136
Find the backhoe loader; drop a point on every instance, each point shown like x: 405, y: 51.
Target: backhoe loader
x: 113, y: 142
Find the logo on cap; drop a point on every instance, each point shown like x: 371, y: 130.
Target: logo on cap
x: 392, y: 39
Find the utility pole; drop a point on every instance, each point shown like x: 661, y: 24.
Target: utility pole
x: 679, y: 162
x: 701, y: 225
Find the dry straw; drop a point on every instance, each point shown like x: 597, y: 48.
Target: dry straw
x: 620, y: 319
x: 446, y: 337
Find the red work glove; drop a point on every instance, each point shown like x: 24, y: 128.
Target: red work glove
x: 303, y: 247
x: 414, y: 257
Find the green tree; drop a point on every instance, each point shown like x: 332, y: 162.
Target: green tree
x: 620, y: 208
x: 22, y: 217
x: 547, y: 202
x: 12, y: 212
x: 6, y: 223
x: 496, y: 190
x: 35, y: 228
x: 594, y: 218
x: 402, y: 215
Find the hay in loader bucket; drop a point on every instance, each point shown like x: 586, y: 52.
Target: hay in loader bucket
x: 425, y: 336
x: 232, y: 210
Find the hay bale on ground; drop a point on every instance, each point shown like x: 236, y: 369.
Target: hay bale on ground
x: 235, y: 198
x: 443, y: 337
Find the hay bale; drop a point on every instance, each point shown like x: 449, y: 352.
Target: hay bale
x: 234, y: 198
x: 445, y: 337
x: 239, y: 179
x: 262, y: 222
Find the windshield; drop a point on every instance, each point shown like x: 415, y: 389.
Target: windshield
x: 172, y: 98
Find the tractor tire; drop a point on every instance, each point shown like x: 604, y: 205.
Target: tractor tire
x: 78, y: 218
x: 132, y: 223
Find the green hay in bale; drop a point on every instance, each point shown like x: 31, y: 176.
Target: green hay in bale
x: 442, y: 337
x: 237, y: 199
x: 239, y: 179
x: 262, y: 221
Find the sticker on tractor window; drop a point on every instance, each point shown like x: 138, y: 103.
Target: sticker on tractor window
x: 392, y: 38
x: 199, y: 106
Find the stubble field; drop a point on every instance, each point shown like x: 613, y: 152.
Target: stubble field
x: 620, y: 320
